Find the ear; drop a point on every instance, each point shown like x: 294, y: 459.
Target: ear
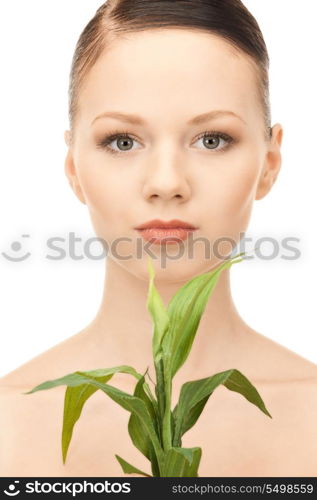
x: 70, y: 170
x: 272, y: 163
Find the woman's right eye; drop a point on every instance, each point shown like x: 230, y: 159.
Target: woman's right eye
x: 122, y: 140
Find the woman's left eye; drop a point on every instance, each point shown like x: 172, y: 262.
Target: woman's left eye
x: 211, y: 140
x: 123, y: 140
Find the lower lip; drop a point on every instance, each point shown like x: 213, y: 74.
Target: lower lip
x: 160, y: 236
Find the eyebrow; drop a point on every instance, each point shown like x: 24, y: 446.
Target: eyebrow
x: 138, y: 120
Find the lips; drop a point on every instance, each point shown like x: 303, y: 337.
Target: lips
x: 165, y: 232
x: 172, y: 224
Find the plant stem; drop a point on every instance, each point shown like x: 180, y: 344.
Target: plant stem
x: 167, y: 436
x: 159, y: 387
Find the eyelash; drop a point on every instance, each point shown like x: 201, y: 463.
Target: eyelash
x: 108, y: 139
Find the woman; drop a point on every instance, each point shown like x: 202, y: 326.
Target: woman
x: 169, y: 120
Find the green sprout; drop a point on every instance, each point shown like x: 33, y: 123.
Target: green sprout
x: 154, y: 428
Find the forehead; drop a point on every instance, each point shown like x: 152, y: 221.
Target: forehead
x: 171, y: 71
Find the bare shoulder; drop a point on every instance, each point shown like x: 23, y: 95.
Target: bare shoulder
x: 292, y: 379
x: 31, y: 429
x: 277, y: 363
x: 70, y: 355
x: 31, y: 424
x: 31, y: 417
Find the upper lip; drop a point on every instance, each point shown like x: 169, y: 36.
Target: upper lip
x: 157, y: 223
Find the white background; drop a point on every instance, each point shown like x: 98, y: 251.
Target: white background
x: 43, y: 302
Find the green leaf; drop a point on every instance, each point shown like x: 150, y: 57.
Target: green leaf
x: 189, y: 420
x: 194, y: 395
x: 139, y: 438
x: 185, y: 310
x: 134, y: 405
x: 75, y: 398
x: 237, y: 382
x: 73, y: 379
x: 158, y: 312
x: 76, y: 395
x: 130, y: 469
x: 182, y: 462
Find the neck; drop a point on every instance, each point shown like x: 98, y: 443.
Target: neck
x: 123, y: 325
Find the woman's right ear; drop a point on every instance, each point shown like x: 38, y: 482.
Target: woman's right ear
x: 70, y: 171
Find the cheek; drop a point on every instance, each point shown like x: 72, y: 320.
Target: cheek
x: 229, y: 194
x: 107, y: 197
x: 238, y: 192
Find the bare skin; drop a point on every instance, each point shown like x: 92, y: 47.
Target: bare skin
x: 236, y: 438
x: 167, y: 177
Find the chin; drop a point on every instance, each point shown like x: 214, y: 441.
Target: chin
x: 169, y: 270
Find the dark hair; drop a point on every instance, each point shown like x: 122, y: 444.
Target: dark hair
x: 229, y: 19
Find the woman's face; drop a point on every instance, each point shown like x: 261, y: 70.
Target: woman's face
x: 165, y: 169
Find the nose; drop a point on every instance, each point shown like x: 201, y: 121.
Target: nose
x: 166, y: 177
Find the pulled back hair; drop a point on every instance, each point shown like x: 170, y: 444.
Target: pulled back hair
x: 229, y: 19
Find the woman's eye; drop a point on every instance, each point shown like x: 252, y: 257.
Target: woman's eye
x: 121, y: 142
x: 212, y: 140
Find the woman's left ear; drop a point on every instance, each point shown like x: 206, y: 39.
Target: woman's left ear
x: 272, y: 164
